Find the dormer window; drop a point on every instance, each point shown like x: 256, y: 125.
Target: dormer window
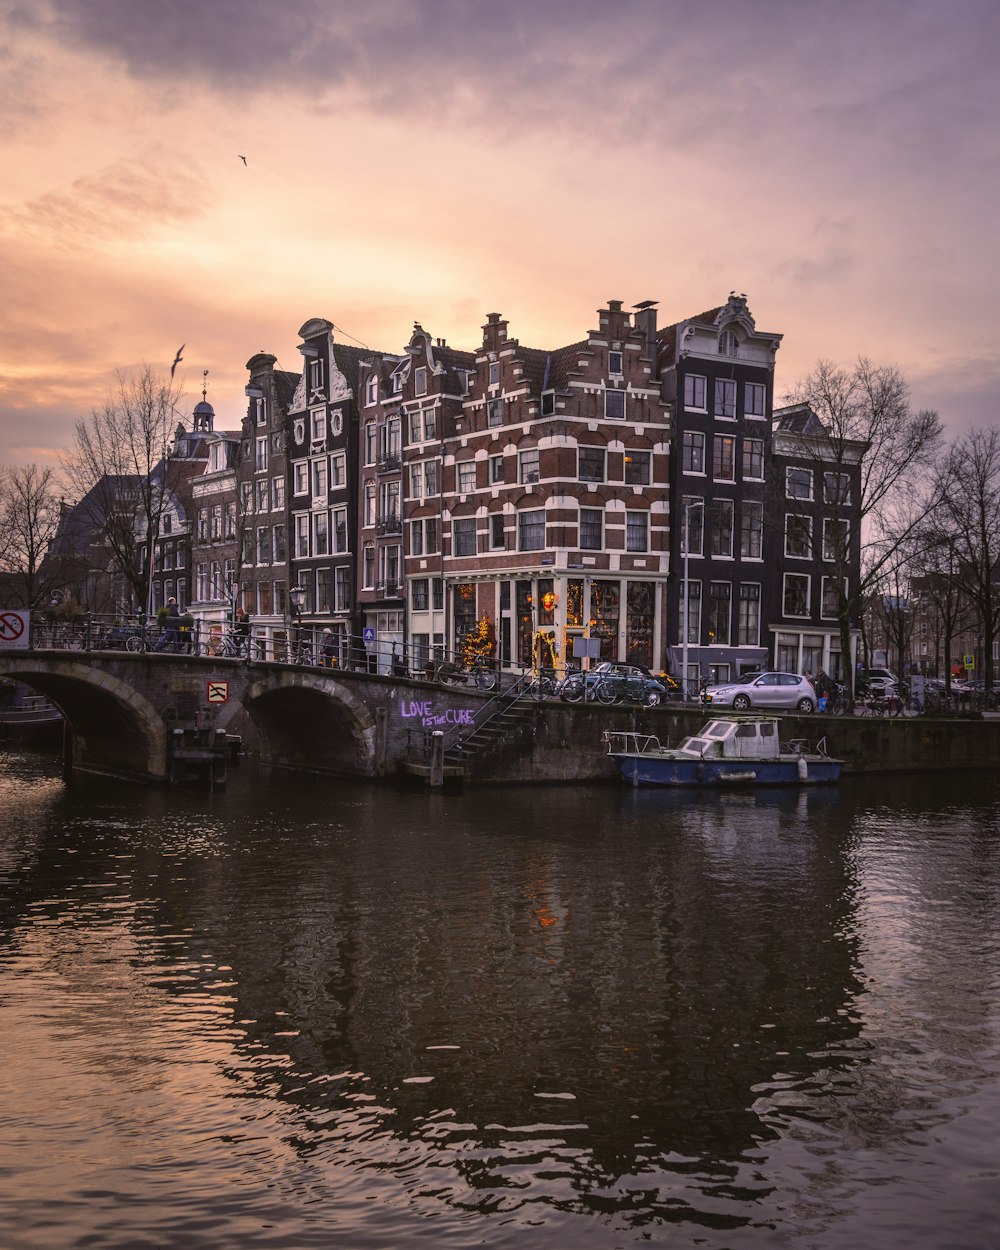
x: 728, y: 345
x: 315, y: 375
x: 615, y: 364
x: 420, y: 381
x: 397, y: 383
x: 371, y: 393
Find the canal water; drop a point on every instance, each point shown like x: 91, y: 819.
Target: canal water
x: 304, y: 1014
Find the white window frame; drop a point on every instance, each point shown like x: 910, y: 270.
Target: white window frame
x: 615, y: 416
x: 725, y: 397
x: 799, y: 616
x: 693, y: 384
x: 752, y: 392
x: 695, y: 437
x: 791, y: 517
x: 797, y: 468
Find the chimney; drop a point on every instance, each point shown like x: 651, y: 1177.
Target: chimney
x: 645, y: 323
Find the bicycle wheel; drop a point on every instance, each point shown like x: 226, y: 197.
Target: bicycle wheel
x: 486, y: 678
x: 606, y: 693
x: 536, y: 689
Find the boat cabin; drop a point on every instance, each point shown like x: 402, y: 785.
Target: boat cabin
x: 755, y: 738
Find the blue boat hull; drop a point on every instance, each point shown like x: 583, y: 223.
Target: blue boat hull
x: 726, y: 773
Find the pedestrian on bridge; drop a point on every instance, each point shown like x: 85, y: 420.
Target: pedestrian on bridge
x: 171, y: 636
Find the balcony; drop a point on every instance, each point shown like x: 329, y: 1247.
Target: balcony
x: 391, y: 523
x: 390, y: 589
x: 388, y: 462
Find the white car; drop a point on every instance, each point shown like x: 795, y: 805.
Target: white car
x: 750, y: 690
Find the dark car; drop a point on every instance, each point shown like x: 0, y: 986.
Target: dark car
x: 614, y: 682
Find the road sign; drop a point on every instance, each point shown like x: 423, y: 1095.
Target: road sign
x: 970, y: 662
x: 14, y: 634
x: 368, y: 634
x: 218, y: 692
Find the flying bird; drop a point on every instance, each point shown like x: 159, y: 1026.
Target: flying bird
x: 177, y: 359
x: 243, y: 159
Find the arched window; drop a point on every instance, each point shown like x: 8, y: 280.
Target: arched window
x: 728, y: 345
x: 372, y: 393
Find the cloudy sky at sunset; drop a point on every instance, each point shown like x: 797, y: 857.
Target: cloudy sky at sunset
x: 436, y: 160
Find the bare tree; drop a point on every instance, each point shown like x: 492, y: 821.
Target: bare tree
x: 971, y: 501
x: 880, y: 453
x: 120, y: 471
x: 29, y: 518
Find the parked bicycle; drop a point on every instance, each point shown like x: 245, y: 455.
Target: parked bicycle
x: 543, y: 684
x: 479, y: 674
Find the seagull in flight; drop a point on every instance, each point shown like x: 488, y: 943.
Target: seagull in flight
x: 177, y: 359
x: 243, y: 159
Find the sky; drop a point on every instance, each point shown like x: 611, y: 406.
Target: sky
x: 438, y: 160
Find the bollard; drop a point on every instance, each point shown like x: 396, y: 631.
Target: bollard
x: 437, y: 758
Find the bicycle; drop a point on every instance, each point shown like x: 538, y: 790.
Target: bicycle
x: 479, y: 674
x: 543, y: 684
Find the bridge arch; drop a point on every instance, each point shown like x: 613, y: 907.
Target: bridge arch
x: 313, y: 723
x: 114, y: 729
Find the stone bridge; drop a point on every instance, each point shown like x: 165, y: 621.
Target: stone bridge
x: 122, y: 708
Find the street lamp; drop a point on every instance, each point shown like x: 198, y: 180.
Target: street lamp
x: 296, y: 597
x: 697, y: 503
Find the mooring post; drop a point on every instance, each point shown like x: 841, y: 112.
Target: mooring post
x: 437, y: 758
x: 381, y: 740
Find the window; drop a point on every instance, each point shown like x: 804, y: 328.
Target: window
x: 496, y: 470
x: 278, y: 544
x: 430, y: 424
x: 340, y: 544
x: 798, y: 483
x: 591, y: 529
x: 466, y: 476
x: 321, y: 534
x: 494, y: 412
x: 420, y: 381
x: 389, y: 439
x: 259, y: 503
x: 836, y: 488
x: 498, y: 537
x: 725, y: 399
x: 217, y: 514
x: 531, y: 530
x: 728, y: 343
x: 753, y: 399
x: 369, y: 504
x: 342, y: 588
x: 301, y: 536
x: 419, y: 594
x: 494, y: 373
x: 277, y: 493
x: 798, y: 536
x: 263, y: 545
x: 338, y: 470
x: 636, y: 531
x: 322, y: 590
x: 318, y: 425
x: 371, y: 442
x: 614, y: 404
x: 416, y: 426
x: 431, y: 534
x: 724, y: 458
x: 693, y: 526
x: 527, y: 466
x: 260, y: 463
x: 368, y: 567
x: 397, y: 380
x: 638, y: 468
x: 695, y: 390
x: 835, y: 539
x: 615, y: 364
x: 719, y: 613
x: 319, y: 479
x: 300, y: 475
x: 548, y: 403
x: 416, y: 538
x: 464, y: 537
x: 753, y: 458
x: 752, y: 530
x: 371, y: 390
x: 231, y: 519
x: 315, y: 375
x: 430, y: 477
x: 831, y: 600
x: 796, y: 594
x: 259, y: 412
x: 417, y: 480
x: 437, y: 596
x: 590, y: 464
x: 719, y: 523
x: 693, y: 590
x: 748, y: 620
x: 693, y: 452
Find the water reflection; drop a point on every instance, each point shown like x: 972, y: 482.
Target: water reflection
x: 517, y: 1018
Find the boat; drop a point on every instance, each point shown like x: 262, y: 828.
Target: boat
x: 27, y: 716
x: 726, y: 751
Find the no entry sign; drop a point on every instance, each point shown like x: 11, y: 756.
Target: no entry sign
x: 14, y: 633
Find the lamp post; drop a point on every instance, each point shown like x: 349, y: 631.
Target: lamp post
x: 698, y: 503
x: 296, y: 595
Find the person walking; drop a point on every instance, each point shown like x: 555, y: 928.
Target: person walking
x: 171, y: 636
x: 241, y: 630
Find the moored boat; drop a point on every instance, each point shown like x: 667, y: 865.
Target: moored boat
x: 727, y: 751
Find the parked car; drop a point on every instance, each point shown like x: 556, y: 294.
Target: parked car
x: 615, y: 682
x: 877, y: 680
x: 749, y: 690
